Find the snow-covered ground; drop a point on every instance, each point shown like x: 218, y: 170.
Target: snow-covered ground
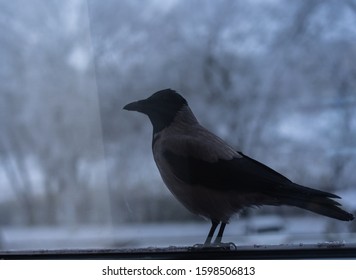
x: 264, y: 230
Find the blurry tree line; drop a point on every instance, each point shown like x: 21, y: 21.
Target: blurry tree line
x: 276, y: 79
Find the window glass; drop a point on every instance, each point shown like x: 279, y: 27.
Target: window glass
x: 274, y: 79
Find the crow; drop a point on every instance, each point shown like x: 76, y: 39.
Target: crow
x: 209, y: 177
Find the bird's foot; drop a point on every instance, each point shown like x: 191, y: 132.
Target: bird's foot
x: 229, y: 246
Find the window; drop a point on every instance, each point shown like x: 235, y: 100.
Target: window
x: 274, y: 79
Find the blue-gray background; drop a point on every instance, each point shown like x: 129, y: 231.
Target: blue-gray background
x: 276, y: 79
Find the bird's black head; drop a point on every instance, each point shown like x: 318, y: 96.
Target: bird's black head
x: 161, y: 107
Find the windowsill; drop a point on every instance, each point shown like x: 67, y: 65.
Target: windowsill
x: 294, y: 251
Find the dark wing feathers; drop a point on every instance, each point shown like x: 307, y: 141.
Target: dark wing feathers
x: 238, y: 174
x: 256, y: 164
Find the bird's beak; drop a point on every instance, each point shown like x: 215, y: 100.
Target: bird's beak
x: 135, y: 106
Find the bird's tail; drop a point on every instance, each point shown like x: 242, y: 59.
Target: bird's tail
x: 313, y: 200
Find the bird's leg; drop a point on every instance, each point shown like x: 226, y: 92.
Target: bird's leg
x: 220, y: 233
x: 217, y: 245
x: 214, y: 225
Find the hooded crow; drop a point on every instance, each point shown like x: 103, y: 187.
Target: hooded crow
x: 212, y: 179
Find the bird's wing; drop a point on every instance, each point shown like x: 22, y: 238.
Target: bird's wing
x: 240, y: 174
x: 237, y: 172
